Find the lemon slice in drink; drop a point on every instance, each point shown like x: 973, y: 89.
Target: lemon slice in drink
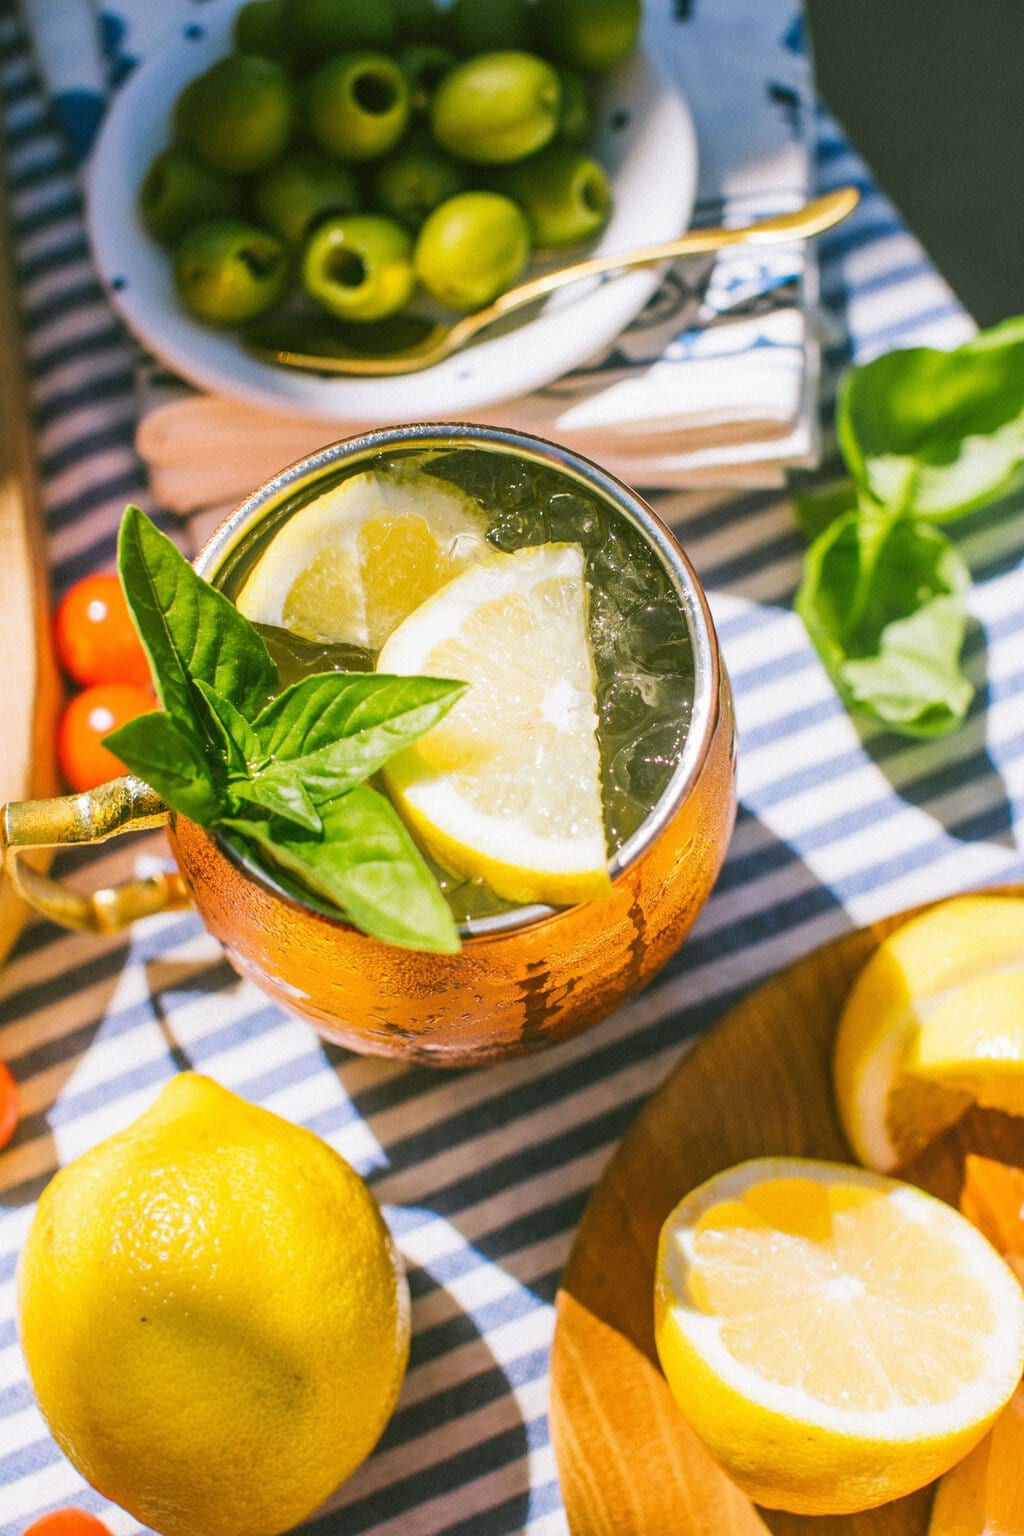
x: 837, y: 1338
x: 507, y: 788
x: 351, y: 565
x: 933, y: 1023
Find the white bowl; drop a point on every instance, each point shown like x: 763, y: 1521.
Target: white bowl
x: 644, y: 137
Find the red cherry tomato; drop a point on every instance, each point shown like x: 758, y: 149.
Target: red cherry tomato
x: 67, y: 1522
x: 95, y: 637
x: 10, y: 1105
x: 91, y: 715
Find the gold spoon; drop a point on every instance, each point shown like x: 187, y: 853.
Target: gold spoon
x: 437, y: 341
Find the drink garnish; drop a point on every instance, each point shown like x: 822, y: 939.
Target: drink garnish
x: 280, y: 775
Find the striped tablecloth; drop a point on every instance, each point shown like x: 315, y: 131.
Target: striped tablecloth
x: 484, y: 1175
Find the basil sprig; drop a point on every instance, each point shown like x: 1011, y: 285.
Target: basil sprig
x: 927, y: 437
x: 281, y: 775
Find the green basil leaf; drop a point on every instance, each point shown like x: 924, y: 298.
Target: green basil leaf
x: 338, y: 729
x: 366, y: 865
x: 883, y: 601
x: 816, y: 510
x: 281, y: 795
x: 940, y: 431
x: 155, y: 747
x: 237, y: 740
x: 190, y: 631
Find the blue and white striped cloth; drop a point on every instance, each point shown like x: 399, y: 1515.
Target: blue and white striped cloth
x: 483, y: 1175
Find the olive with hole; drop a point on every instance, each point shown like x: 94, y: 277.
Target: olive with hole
x: 424, y: 65
x: 178, y: 192
x: 358, y: 105
x: 317, y: 29
x: 259, y: 27
x: 472, y: 248
x: 497, y: 107
x: 301, y: 190
x: 359, y: 267
x: 227, y: 272
x: 576, y: 118
x: 591, y: 35
x: 565, y: 195
x: 238, y: 116
x: 417, y: 176
x: 420, y: 21
x: 483, y: 26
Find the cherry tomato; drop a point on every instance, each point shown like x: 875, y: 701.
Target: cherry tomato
x: 91, y: 715
x: 95, y: 637
x: 10, y: 1105
x: 67, y: 1522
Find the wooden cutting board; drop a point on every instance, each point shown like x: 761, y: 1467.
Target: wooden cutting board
x: 29, y: 686
x: 758, y: 1084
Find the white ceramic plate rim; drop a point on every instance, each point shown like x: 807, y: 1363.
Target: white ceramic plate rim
x: 655, y: 191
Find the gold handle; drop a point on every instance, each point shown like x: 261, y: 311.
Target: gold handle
x: 123, y: 805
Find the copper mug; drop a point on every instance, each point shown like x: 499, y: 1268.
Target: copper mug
x: 522, y: 979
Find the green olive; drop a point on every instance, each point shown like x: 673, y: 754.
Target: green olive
x: 302, y: 189
x: 420, y: 21
x: 414, y: 179
x: 259, y: 28
x: 482, y: 26
x: 566, y: 196
x: 359, y: 267
x: 227, y: 272
x: 358, y: 105
x: 472, y: 248
x: 317, y: 29
x: 497, y: 107
x: 575, y: 121
x: 588, y: 34
x: 424, y: 65
x: 238, y: 116
x: 178, y: 192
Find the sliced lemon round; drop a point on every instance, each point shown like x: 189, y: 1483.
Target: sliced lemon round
x: 933, y: 1023
x: 837, y: 1338
x: 507, y: 788
x: 349, y: 566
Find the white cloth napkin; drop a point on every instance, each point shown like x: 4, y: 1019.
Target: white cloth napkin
x: 715, y: 382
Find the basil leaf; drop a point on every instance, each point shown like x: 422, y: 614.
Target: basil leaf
x: 368, y: 866
x: 816, y: 510
x: 281, y: 795
x: 882, y: 599
x: 943, y: 431
x: 238, y: 743
x: 338, y: 728
x: 155, y: 747
x: 189, y: 630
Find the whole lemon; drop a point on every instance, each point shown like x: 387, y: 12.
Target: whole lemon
x: 215, y: 1321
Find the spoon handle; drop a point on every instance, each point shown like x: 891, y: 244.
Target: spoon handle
x: 814, y: 217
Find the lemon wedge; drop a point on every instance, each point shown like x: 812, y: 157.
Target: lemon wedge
x: 933, y: 1023
x: 507, y: 788
x: 349, y: 566
x: 837, y: 1338
x: 983, y: 1495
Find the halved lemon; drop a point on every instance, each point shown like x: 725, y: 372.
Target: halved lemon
x: 933, y: 1023
x: 508, y: 787
x: 350, y: 565
x: 837, y: 1338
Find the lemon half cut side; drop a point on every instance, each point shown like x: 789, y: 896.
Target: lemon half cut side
x: 507, y: 788
x: 837, y: 1338
x: 933, y: 1023
x: 349, y: 566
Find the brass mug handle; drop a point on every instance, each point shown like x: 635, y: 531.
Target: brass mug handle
x: 123, y: 805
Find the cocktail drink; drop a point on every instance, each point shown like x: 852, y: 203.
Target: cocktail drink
x: 575, y: 805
